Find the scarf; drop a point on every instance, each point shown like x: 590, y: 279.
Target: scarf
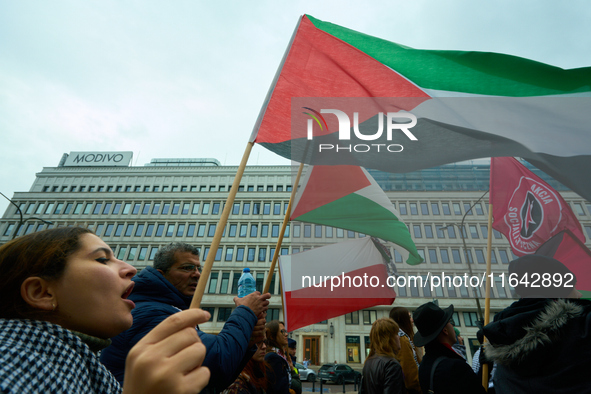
x: 41, y: 357
x: 412, y: 345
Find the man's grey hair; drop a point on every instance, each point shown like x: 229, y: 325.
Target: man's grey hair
x: 164, y: 258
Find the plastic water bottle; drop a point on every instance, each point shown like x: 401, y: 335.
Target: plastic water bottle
x: 246, y: 283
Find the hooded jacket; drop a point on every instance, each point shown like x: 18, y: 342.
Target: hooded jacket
x: 156, y: 299
x: 541, y: 346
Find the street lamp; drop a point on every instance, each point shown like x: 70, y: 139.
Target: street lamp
x: 461, y: 228
x: 21, y: 220
x: 331, y: 330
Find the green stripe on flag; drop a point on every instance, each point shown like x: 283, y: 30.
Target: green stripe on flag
x: 357, y: 213
x: 483, y: 73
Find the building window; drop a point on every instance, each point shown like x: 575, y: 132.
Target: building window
x: 246, y: 208
x: 236, y: 208
x: 352, y: 318
x: 149, y: 230
x: 439, y: 230
x: 136, y: 209
x: 146, y: 209
x: 240, y: 254
x: 444, y: 256
x: 275, y: 231
x: 235, y: 279
x: 457, y: 209
x: 159, y: 230
x: 86, y: 208
x: 417, y: 231
x: 191, y: 230
x: 225, y: 282
x: 251, y: 254
x: 118, y: 230
x: 205, y: 210
x: 456, y: 256
x: 467, y: 209
x: 229, y: 253
x: 243, y: 230
x: 369, y: 317
x: 413, y: 209
x: 470, y: 319
x: 180, y: 230
x: 139, y: 230
x: 402, y: 208
x: 170, y: 230
x: 276, y: 209
x: 260, y: 281
x: 224, y: 314
x: 307, y: 230
x: 256, y: 208
x: 353, y: 354
x: 262, y: 254
x: 211, y: 230
x: 121, y: 253
x: 254, y: 229
x: 435, y: 208
x: 233, y: 229
x: 445, y: 207
x: 480, y: 256
x: 428, y: 231
x: 143, y: 252
x: 153, y: 253
x: 218, y: 254
x: 504, y: 256
x: 216, y: 208
x: 195, y: 210
x: 478, y: 209
x: 433, y: 255
x: 266, y: 208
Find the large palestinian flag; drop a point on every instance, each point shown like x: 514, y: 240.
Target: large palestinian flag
x: 348, y: 197
x: 466, y: 104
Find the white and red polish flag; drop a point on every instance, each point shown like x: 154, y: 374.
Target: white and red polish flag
x: 334, y: 280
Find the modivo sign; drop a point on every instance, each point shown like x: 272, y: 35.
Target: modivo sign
x: 98, y: 159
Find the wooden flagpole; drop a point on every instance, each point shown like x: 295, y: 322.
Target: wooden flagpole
x: 219, y: 231
x: 488, y: 286
x: 282, y: 232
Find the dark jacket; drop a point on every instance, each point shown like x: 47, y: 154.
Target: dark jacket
x: 278, y: 374
x: 155, y: 299
x: 382, y: 374
x: 452, y: 375
x: 541, y: 346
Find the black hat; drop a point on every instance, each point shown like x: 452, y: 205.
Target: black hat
x: 291, y: 343
x: 529, y: 270
x: 430, y: 320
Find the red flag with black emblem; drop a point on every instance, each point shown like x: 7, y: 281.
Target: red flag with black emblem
x: 525, y: 208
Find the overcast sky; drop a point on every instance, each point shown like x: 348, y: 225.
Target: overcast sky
x: 188, y: 78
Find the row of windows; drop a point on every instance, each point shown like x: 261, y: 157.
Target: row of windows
x: 145, y: 189
x: 430, y: 231
x: 436, y: 208
x: 370, y: 316
x: 152, y: 208
x: 442, y: 255
x: 414, y: 288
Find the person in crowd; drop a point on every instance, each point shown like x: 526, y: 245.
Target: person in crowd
x: 442, y: 370
x: 407, y: 356
x: 166, y: 289
x: 278, y: 368
x: 252, y: 379
x: 478, y: 360
x: 292, y: 345
x: 459, y: 346
x: 381, y: 372
x: 541, y: 344
x: 63, y: 295
x: 296, y: 383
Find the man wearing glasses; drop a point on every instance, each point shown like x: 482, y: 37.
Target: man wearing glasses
x: 167, y: 288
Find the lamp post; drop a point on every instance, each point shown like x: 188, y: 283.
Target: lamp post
x: 461, y: 228
x: 21, y: 220
x: 331, y: 330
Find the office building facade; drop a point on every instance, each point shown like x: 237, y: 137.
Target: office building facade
x: 138, y: 209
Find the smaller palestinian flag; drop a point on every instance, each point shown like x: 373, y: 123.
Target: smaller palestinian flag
x: 334, y: 280
x: 348, y: 197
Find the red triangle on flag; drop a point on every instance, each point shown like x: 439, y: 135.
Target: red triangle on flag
x: 320, y: 65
